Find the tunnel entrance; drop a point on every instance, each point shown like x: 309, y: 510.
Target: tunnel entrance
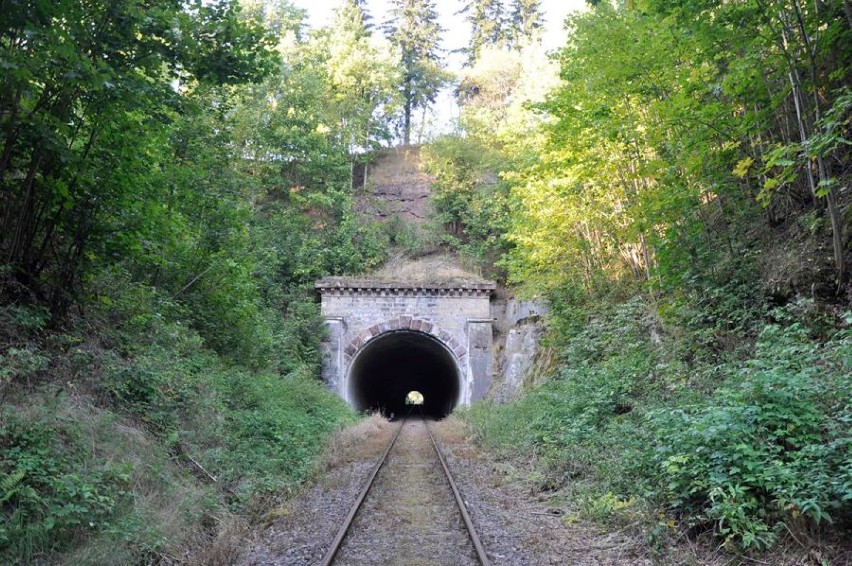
x: 397, y: 363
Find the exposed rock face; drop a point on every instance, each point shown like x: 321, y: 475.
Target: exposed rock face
x: 396, y: 187
x: 519, y: 328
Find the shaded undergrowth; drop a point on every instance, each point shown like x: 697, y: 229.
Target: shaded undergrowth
x: 124, y: 439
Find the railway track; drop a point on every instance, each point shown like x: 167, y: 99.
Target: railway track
x: 410, y: 510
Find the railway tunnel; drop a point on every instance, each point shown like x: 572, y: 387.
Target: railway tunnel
x: 396, y: 363
x: 385, y: 340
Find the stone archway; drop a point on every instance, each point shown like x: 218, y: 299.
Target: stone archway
x: 392, y: 364
x: 455, y: 316
x: 405, y: 323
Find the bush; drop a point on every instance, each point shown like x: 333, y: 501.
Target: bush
x: 99, y: 455
x: 632, y: 422
x: 49, y: 492
x: 272, y: 430
x: 769, y: 448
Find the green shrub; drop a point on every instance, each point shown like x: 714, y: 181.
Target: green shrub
x: 768, y: 448
x: 745, y: 448
x: 49, y: 494
x: 102, y: 477
x: 272, y: 429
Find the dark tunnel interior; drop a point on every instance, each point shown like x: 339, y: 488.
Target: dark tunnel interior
x: 393, y: 365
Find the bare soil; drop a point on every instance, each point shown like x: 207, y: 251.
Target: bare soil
x: 396, y: 187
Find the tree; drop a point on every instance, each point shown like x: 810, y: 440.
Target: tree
x: 279, y: 17
x: 415, y: 31
x: 489, y: 25
x: 363, y: 72
x: 86, y: 86
x: 359, y: 6
x: 525, y: 22
x: 494, y: 24
x: 661, y: 144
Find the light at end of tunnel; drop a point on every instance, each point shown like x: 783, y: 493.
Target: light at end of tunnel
x: 414, y: 398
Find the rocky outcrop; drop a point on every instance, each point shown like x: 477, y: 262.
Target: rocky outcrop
x: 519, y: 329
x: 394, y: 186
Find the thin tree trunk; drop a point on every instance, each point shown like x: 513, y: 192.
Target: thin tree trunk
x: 822, y: 169
x: 26, y: 209
x: 409, y: 99
x: 847, y: 7
x: 800, y: 121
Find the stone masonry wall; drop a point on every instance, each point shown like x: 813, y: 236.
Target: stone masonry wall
x: 459, y: 316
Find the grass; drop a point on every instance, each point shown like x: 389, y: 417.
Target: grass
x: 134, y: 443
x: 436, y: 269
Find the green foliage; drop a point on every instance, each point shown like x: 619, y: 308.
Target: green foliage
x: 415, y: 31
x: 18, y: 363
x: 187, y: 185
x: 364, y: 74
x: 470, y: 202
x: 48, y: 495
x: 494, y: 24
x: 271, y: 431
x: 667, y: 131
x: 100, y: 470
x: 83, y: 108
x: 635, y: 424
x: 681, y: 136
x: 767, y: 448
x: 411, y: 240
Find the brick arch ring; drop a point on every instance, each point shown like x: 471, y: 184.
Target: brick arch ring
x: 404, y: 323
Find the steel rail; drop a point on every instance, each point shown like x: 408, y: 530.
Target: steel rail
x: 471, y: 531
x: 344, y: 529
x: 481, y: 555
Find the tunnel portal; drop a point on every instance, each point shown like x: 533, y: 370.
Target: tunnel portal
x: 386, y: 339
x: 397, y: 363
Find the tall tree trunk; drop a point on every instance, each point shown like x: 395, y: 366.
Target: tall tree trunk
x: 822, y: 168
x: 409, y: 101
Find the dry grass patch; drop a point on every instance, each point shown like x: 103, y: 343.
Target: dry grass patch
x: 436, y: 269
x: 453, y: 430
x: 364, y: 440
x: 222, y: 547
